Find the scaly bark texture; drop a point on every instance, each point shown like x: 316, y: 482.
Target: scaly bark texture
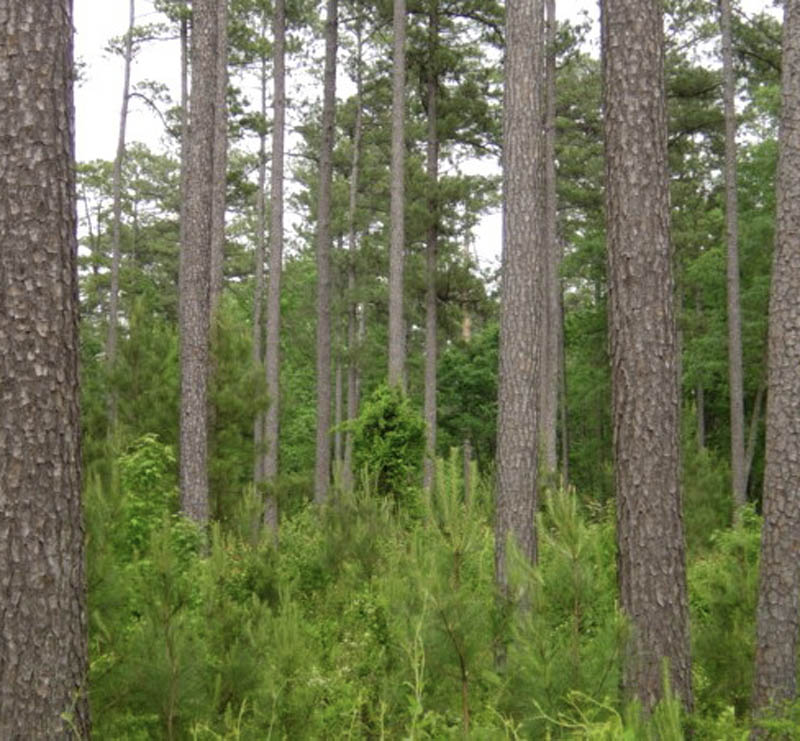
x: 195, y: 265
x: 551, y: 350
x: 116, y: 191
x: 431, y: 249
x: 397, y: 342
x: 273, y: 347
x: 777, y: 615
x: 521, y: 305
x: 43, y: 621
x: 739, y: 476
x: 322, y: 466
x: 644, y: 353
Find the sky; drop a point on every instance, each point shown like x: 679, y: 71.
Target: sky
x: 98, y: 96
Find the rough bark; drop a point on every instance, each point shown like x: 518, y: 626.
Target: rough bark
x: 777, y: 614
x: 116, y: 195
x: 195, y: 266
x: 272, y: 359
x: 551, y: 355
x: 43, y: 618
x: 521, y: 289
x: 397, y: 342
x: 431, y: 248
x: 645, y: 399
x: 322, y: 466
x: 739, y: 478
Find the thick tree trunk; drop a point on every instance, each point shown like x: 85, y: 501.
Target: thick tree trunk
x: 777, y: 615
x: 652, y: 569
x: 322, y: 467
x: 43, y: 611
x: 431, y: 248
x: 739, y: 481
x: 521, y: 289
x: 551, y: 355
x: 397, y: 342
x: 116, y: 194
x: 272, y: 359
x: 352, y: 248
x: 195, y: 266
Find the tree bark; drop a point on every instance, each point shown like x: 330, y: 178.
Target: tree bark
x: 739, y: 477
x: 521, y: 289
x: 777, y: 613
x: 195, y: 266
x: 549, y: 387
x: 43, y: 610
x: 397, y: 342
x: 322, y: 467
x: 116, y: 190
x: 645, y: 398
x: 273, y: 348
x: 431, y: 248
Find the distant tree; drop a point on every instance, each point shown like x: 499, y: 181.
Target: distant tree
x: 322, y: 464
x: 521, y: 289
x: 43, y: 610
x: 777, y: 615
x: 644, y: 353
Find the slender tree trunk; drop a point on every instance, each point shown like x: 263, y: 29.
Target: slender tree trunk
x: 731, y: 221
x: 699, y: 394
x: 195, y: 266
x: 397, y: 344
x: 644, y: 356
x: 337, y: 422
x: 116, y: 189
x: 259, y: 288
x: 352, y: 246
x: 432, y: 241
x: 777, y: 615
x: 43, y: 609
x: 220, y: 158
x: 521, y: 289
x: 184, y: 40
x: 322, y: 466
x: 562, y: 385
x: 272, y: 360
x: 549, y: 388
x: 752, y: 435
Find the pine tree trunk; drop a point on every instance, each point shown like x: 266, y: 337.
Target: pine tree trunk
x: 777, y: 614
x: 739, y: 481
x: 397, y: 343
x: 645, y: 403
x: 195, y: 266
x: 521, y: 288
x: 432, y: 240
x: 352, y: 247
x: 322, y: 467
x: 116, y: 194
x: 272, y: 359
x: 549, y: 388
x: 43, y: 608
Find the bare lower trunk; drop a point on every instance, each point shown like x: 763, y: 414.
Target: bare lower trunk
x: 752, y: 436
x: 322, y: 467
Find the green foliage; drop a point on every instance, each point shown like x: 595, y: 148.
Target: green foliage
x: 388, y: 442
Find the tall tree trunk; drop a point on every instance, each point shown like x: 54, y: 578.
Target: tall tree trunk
x: 777, y: 614
x: 116, y: 190
x: 752, y: 435
x: 521, y: 288
x: 699, y: 393
x: 43, y: 610
x: 195, y: 266
x: 739, y: 481
x: 352, y: 247
x: 259, y: 288
x: 273, y: 348
x: 645, y: 404
x: 322, y: 465
x: 337, y: 422
x: 549, y: 387
x: 432, y: 240
x: 397, y: 343
x: 220, y: 158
